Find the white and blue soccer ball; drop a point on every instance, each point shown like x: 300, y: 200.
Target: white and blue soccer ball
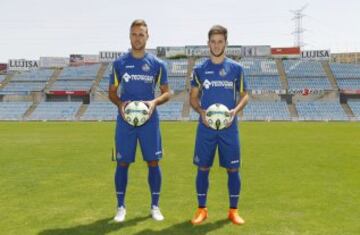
x: 136, y: 113
x: 218, y: 116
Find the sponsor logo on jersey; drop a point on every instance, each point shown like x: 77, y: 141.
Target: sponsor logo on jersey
x: 130, y: 66
x: 206, y: 84
x: 209, y: 72
x: 126, y: 77
x: 221, y: 83
x: 138, y: 77
x: 234, y: 162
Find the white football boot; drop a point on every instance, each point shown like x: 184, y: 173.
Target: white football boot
x: 120, y: 215
x: 156, y: 214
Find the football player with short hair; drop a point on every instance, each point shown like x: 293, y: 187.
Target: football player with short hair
x: 136, y: 74
x: 218, y: 79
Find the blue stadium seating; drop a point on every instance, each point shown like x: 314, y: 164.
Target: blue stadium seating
x: 34, y: 75
x: 256, y: 67
x: 266, y: 110
x: 345, y: 70
x: 315, y: 83
x: 81, y: 72
x: 320, y: 110
x: 177, y: 67
x: 55, y: 111
x: 303, y: 68
x: 13, y: 110
x: 72, y: 85
x: 100, y: 110
x: 13, y: 87
x: 170, y: 111
x: 2, y: 78
x: 355, y: 107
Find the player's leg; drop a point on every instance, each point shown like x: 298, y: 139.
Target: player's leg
x: 151, y: 148
x: 229, y: 156
x: 205, y: 148
x: 125, y: 139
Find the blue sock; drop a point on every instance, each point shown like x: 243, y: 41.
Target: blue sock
x: 154, y: 179
x: 121, y: 178
x: 202, y: 186
x: 234, y: 186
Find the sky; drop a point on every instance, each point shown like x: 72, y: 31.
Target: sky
x: 30, y: 29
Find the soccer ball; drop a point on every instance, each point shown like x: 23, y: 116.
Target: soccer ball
x: 136, y: 113
x: 218, y: 116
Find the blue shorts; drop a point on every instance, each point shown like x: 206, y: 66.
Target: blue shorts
x: 148, y: 135
x: 226, y: 141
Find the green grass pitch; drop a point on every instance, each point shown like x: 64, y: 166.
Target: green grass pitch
x: 298, y: 178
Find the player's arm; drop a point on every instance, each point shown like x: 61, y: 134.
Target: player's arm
x: 241, y: 86
x: 114, y: 98
x: 164, y: 89
x: 244, y: 99
x: 195, y: 103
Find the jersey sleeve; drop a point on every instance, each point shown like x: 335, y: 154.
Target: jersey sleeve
x: 162, y: 78
x: 114, y: 76
x: 241, y: 84
x: 195, y: 82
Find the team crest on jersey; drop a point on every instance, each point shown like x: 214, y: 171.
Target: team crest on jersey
x: 145, y: 67
x: 126, y: 77
x: 222, y: 72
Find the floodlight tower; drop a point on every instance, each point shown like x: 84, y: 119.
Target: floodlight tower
x: 299, y: 30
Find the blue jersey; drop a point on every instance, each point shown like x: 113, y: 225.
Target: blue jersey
x: 138, y: 77
x: 219, y: 83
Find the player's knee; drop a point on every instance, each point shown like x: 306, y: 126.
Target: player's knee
x: 231, y: 170
x: 204, y: 168
x: 153, y: 163
x: 123, y: 164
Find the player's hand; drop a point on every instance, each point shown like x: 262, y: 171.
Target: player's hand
x: 203, y: 115
x: 121, y: 108
x: 151, y: 104
x: 232, y: 116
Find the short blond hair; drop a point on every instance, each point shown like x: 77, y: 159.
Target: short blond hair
x: 218, y: 29
x: 139, y: 22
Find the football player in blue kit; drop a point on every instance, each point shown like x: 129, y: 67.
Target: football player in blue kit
x: 137, y: 74
x: 218, y: 79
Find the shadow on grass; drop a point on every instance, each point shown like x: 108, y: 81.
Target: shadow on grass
x: 187, y: 228
x: 105, y: 226
x: 99, y: 227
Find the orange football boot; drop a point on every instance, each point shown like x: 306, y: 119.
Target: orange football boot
x: 234, y: 217
x: 200, y: 215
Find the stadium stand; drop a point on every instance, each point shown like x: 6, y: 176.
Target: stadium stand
x: 266, y: 110
x: 306, y: 74
x: 55, y: 111
x: 85, y: 72
x: 355, y: 107
x: 2, y: 78
x: 346, y: 75
x: 25, y: 87
x: 170, y: 111
x: 321, y: 110
x: 100, y: 110
x: 261, y: 74
x: 13, y: 110
x: 35, y: 75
